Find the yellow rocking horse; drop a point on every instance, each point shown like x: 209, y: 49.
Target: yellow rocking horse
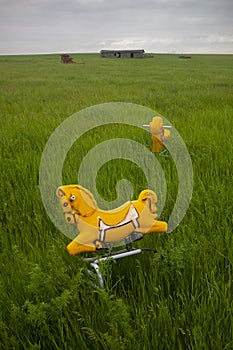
x: 159, y: 134
x: 99, y: 228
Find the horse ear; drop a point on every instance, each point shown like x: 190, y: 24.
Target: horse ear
x: 59, y: 192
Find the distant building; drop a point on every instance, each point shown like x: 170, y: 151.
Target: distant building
x: 122, y: 53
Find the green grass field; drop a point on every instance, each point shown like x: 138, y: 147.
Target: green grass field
x: 178, y: 298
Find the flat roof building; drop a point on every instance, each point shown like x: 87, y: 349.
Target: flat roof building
x: 122, y: 53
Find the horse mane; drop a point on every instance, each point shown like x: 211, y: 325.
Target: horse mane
x: 88, y: 204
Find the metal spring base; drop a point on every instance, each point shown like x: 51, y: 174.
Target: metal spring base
x: 94, y: 262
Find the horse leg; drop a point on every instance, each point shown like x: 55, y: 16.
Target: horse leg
x: 80, y: 245
x: 158, y: 226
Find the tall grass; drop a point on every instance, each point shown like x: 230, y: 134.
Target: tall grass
x: 178, y: 298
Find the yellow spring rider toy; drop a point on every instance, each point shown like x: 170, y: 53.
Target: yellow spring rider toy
x: 101, y: 229
x: 159, y: 134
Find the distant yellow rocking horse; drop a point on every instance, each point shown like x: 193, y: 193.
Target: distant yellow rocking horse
x: 97, y: 227
x: 159, y: 134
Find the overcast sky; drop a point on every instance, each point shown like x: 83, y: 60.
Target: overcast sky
x: 174, y: 26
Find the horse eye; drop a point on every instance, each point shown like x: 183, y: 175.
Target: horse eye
x: 72, y: 198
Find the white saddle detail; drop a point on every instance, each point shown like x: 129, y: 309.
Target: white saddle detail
x: 131, y: 216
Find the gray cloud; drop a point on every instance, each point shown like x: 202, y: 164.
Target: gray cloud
x: 45, y: 26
